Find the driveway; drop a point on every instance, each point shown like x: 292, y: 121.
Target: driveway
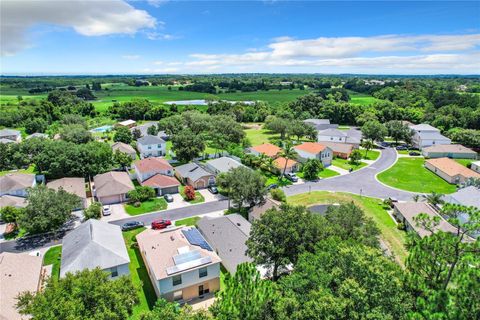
x: 118, y: 212
x: 210, y: 196
x: 359, y: 182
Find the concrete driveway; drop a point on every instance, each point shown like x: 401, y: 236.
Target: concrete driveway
x: 118, y: 212
x: 210, y: 196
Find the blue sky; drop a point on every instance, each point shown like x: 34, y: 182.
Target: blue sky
x: 118, y: 37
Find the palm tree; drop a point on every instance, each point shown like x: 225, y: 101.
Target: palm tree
x: 289, y: 154
x: 416, y: 197
x: 368, y: 144
x: 434, y: 198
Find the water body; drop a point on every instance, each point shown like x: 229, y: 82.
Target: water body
x: 202, y: 102
x: 102, y: 129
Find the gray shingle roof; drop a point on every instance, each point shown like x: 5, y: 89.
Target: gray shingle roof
x: 332, y: 132
x: 469, y: 196
x: 227, y: 235
x: 223, y: 164
x: 93, y: 244
x: 423, y: 127
x: 9, y: 132
x: 432, y: 135
x: 15, y: 181
x: 149, y: 139
x: 192, y: 171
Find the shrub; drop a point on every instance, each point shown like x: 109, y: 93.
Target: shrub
x: 401, y: 226
x: 93, y: 212
x: 141, y: 194
x: 278, y: 194
x: 189, y: 193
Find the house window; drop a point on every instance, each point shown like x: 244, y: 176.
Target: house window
x: 176, y: 280
x: 331, y: 138
x: 159, y: 146
x: 113, y: 272
x: 202, y: 272
x: 177, y: 295
x: 149, y: 147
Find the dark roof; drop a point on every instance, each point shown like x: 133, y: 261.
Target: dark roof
x: 192, y: 171
x: 149, y: 139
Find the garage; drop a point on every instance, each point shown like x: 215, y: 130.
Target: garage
x: 167, y: 190
x: 162, y: 184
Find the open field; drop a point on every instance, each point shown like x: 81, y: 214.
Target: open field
x: 361, y: 98
x: 372, y: 207
x: 410, y: 174
x: 53, y: 257
x: 259, y: 136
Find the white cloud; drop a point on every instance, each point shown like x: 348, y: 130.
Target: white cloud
x: 85, y: 17
x: 160, y: 36
x: 131, y: 56
x: 156, y: 3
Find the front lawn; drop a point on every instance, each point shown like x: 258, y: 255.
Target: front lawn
x: 325, y: 173
x: 372, y: 207
x: 151, y: 205
x: 139, y: 275
x: 53, y: 257
x: 345, y: 164
x: 198, y: 196
x: 371, y: 154
x: 464, y: 162
x: 274, y: 179
x: 410, y: 174
x: 187, y: 221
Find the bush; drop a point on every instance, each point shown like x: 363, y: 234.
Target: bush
x: 189, y: 193
x: 93, y: 212
x: 278, y: 194
x: 401, y: 226
x: 137, y: 204
x: 141, y: 194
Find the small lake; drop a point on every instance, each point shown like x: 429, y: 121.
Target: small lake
x: 201, y: 102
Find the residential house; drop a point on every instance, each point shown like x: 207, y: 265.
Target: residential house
x: 127, y: 123
x: 339, y: 136
x: 424, y: 135
x: 12, y: 201
x: 95, y: 244
x: 222, y: 165
x: 268, y: 149
x: 151, y: 146
x: 10, y: 134
x: 143, y: 128
x: 468, y: 196
x: 314, y: 150
x: 6, y: 141
x: 38, y: 135
x: 456, y: 151
x: 475, y: 166
x: 124, y: 148
x: 341, y: 150
x: 75, y: 186
x: 192, y: 174
x: 180, y: 263
x: 450, y: 170
x: 321, y: 124
x: 112, y: 187
x: 259, y: 209
x: 162, y: 184
x: 289, y: 165
x: 16, y: 184
x: 19, y: 272
x: 149, y: 167
x: 227, y: 236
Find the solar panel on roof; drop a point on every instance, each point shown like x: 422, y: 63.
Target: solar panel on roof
x: 188, y: 265
x: 187, y: 257
x: 195, y: 238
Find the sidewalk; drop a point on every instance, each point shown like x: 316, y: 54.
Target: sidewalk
x: 338, y: 170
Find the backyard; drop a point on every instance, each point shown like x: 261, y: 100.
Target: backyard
x: 410, y: 174
x: 155, y: 204
x: 259, y: 136
x: 53, y: 257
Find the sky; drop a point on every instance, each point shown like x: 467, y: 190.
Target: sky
x: 202, y: 37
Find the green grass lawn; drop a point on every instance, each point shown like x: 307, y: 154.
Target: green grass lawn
x: 361, y: 98
x: 274, y: 179
x: 372, y: 207
x: 187, y: 221
x: 155, y: 204
x: 410, y: 174
x: 371, y: 154
x: 53, y: 257
x: 30, y: 169
x: 223, y: 274
x: 325, y: 173
x: 464, y: 162
x: 139, y: 275
x: 345, y: 164
x: 198, y: 196
x: 260, y: 136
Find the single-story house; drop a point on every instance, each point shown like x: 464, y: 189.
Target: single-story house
x: 227, y: 236
x: 151, y: 146
x: 449, y: 151
x: 292, y: 165
x: 38, y: 135
x: 450, y: 170
x: 16, y: 184
x: 405, y: 212
x: 95, y: 244
x: 12, y: 201
x: 180, y: 263
x: 321, y: 124
x: 468, y: 196
x: 268, y: 149
x: 124, y: 148
x: 314, y: 150
x: 19, y: 272
x: 149, y: 167
x: 341, y: 150
x: 476, y: 166
x: 192, y: 174
x: 112, y: 187
x: 222, y: 165
x: 75, y: 186
x: 258, y: 210
x: 162, y: 184
x: 127, y: 123
x: 11, y: 134
x: 424, y: 135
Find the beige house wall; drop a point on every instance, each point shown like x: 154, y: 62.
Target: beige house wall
x: 191, y: 292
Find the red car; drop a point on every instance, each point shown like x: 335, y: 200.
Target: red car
x: 160, y: 224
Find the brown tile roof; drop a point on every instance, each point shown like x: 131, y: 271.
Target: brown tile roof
x: 268, y: 149
x: 280, y: 163
x: 112, y: 183
x: 452, y: 168
x: 453, y: 148
x: 339, y: 147
x: 71, y: 185
x: 311, y: 147
x: 123, y: 147
x: 16, y: 181
x: 160, y: 180
x: 153, y: 165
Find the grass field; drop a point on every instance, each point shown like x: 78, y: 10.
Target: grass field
x: 260, y: 136
x: 345, y: 164
x: 371, y: 154
x: 361, y: 99
x: 151, y: 205
x: 53, y: 257
x: 187, y: 221
x: 410, y: 174
x: 30, y: 169
x: 464, y: 162
x: 325, y: 173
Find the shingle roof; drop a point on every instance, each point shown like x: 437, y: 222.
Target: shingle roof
x: 268, y: 149
x: 423, y: 127
x: 452, y: 168
x: 112, y: 183
x: 311, y: 147
x: 280, y: 163
x: 227, y: 235
x: 450, y: 148
x: 224, y: 164
x: 432, y: 135
x: 149, y: 139
x: 38, y: 135
x: 16, y: 181
x: 468, y: 196
x: 317, y: 121
x: 71, y: 185
x: 332, y: 133
x: 123, y: 147
x: 160, y: 180
x: 93, y: 244
x: 12, y: 201
x: 339, y: 147
x: 192, y: 171
x: 153, y: 164
x: 3, y: 140
x: 258, y: 210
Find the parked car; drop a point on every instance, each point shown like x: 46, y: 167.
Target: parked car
x: 291, y: 176
x: 161, y: 224
x: 414, y: 153
x: 168, y: 197
x: 213, y: 189
x: 272, y: 186
x: 401, y: 148
x: 132, y: 225
x: 106, y: 210
x: 385, y: 144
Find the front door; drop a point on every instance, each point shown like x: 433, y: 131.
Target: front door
x: 200, y: 290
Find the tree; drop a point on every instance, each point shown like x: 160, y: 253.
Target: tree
x: 355, y: 156
x: 165, y: 310
x: 367, y: 144
x: 187, y: 145
x: 398, y: 131
x: 35, y: 125
x: 374, y: 130
x: 136, y: 134
x: 94, y: 211
x: 289, y: 153
x: 277, y: 125
x: 246, y: 295
x: 47, y: 209
x: 244, y: 185
x: 189, y: 193
x: 276, y: 242
x: 10, y: 214
x: 141, y: 193
x: 75, y: 133
x: 87, y: 294
x: 311, y: 169
x: 152, y: 130
x: 122, y: 134
x: 434, y: 198
x: 123, y: 160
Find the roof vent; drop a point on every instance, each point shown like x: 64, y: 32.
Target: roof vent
x: 238, y: 224
x: 172, y: 238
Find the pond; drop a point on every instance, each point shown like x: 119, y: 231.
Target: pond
x: 201, y: 102
x: 102, y: 129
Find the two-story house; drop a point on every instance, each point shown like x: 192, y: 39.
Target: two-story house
x: 151, y: 146
x: 156, y: 173
x: 16, y: 184
x: 424, y: 135
x: 314, y: 150
x: 180, y: 263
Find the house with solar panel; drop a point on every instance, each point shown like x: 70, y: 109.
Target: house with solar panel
x: 180, y: 263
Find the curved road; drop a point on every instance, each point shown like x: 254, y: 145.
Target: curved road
x: 359, y: 182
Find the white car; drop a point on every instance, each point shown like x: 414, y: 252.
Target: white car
x: 106, y: 210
